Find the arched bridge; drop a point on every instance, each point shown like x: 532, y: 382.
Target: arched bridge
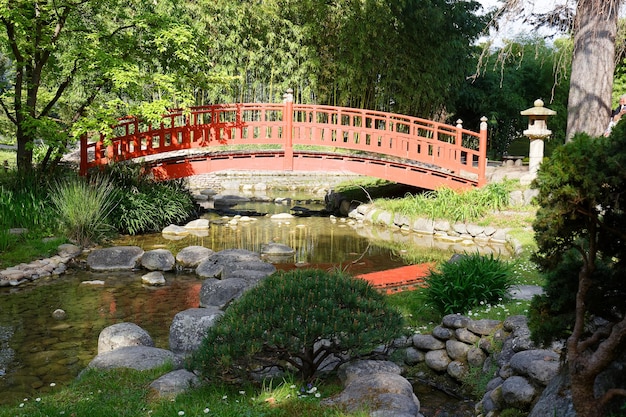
x: 298, y: 137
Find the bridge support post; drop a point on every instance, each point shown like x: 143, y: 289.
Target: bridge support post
x: 482, y: 158
x: 288, y: 130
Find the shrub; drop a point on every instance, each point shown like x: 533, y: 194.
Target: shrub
x: 297, y: 321
x: 84, y: 208
x: 146, y: 205
x: 467, y: 282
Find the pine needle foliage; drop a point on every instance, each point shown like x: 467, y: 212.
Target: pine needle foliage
x: 298, y: 321
x: 468, y: 282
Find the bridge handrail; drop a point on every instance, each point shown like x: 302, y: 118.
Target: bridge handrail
x: 452, y: 148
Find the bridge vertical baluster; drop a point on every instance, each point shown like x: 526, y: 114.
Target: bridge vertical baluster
x: 288, y: 130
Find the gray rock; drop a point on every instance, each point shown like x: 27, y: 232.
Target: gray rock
x: 122, y: 335
x: 539, y: 365
x: 154, y: 278
x: 67, y: 250
x: 425, y: 226
x: 363, y: 368
x: 457, y: 370
x: 442, y: 333
x: 277, y: 252
x: 475, y: 230
x: 476, y: 357
x: 556, y: 398
x: 464, y: 335
x: 460, y: 228
x: 116, y: 258
x: 427, y: 342
x: 413, y: 356
x: 457, y: 350
x: 140, y: 358
x: 192, y: 256
x: 483, y: 327
x: 442, y: 225
x: 518, y: 392
x: 158, y: 260
x: 189, y: 327
x: 173, y: 383
x: 198, y: 224
x: 175, y: 230
x: 437, y: 360
x: 59, y: 314
x: 219, y: 293
x: 455, y: 321
x: 386, y: 394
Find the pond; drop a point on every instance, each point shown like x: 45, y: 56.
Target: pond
x: 38, y: 352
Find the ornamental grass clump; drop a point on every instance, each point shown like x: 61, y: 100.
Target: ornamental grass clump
x: 298, y: 321
x: 84, y: 208
x: 470, y: 281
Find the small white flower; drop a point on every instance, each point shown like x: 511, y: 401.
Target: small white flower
x: 242, y: 392
x: 312, y: 390
x: 37, y: 399
x: 292, y: 387
x: 21, y: 405
x: 317, y: 395
x: 181, y: 413
x: 224, y: 397
x: 52, y: 384
x: 206, y: 411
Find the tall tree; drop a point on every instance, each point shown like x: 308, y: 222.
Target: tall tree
x: 593, y: 26
x: 593, y: 66
x: 64, y: 55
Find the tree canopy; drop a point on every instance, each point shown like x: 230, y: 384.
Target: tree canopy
x: 73, y: 66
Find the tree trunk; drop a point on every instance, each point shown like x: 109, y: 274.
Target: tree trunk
x: 24, y: 150
x: 593, y: 65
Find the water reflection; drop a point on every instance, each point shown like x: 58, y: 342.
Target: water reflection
x: 37, y: 350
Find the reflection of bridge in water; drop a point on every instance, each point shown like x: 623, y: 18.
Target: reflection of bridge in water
x: 252, y: 136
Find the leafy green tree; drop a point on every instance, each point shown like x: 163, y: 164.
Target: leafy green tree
x: 512, y: 78
x: 581, y: 197
x: 298, y: 320
x: 67, y: 57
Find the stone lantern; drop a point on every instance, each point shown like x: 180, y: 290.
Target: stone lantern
x: 537, y: 131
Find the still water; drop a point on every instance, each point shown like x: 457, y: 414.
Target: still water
x: 39, y: 353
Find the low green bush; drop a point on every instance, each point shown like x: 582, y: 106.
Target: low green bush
x: 296, y: 321
x: 146, y: 205
x: 465, y: 283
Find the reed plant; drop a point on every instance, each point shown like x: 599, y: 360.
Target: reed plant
x: 84, y: 208
x: 449, y: 204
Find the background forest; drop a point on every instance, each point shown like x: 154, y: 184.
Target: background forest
x: 412, y: 57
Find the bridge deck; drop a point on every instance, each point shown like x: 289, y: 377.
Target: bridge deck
x: 397, y: 148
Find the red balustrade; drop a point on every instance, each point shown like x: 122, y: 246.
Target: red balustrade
x: 399, y: 148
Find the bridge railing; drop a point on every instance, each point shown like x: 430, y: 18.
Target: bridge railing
x: 452, y: 148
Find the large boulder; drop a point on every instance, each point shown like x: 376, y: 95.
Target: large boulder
x: 384, y: 391
x: 189, y: 327
x: 122, y: 335
x: 540, y: 365
x: 158, y: 260
x: 192, y: 256
x: 235, y: 263
x: 116, y: 258
x: 141, y: 358
x: 173, y: 383
x: 219, y: 293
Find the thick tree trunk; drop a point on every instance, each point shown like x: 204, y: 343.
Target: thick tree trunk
x: 593, y: 65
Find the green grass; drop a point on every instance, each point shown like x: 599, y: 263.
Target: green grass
x: 126, y: 392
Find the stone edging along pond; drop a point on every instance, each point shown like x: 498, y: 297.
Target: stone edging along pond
x: 442, y: 233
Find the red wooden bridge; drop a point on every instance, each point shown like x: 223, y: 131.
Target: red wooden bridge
x: 298, y: 137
